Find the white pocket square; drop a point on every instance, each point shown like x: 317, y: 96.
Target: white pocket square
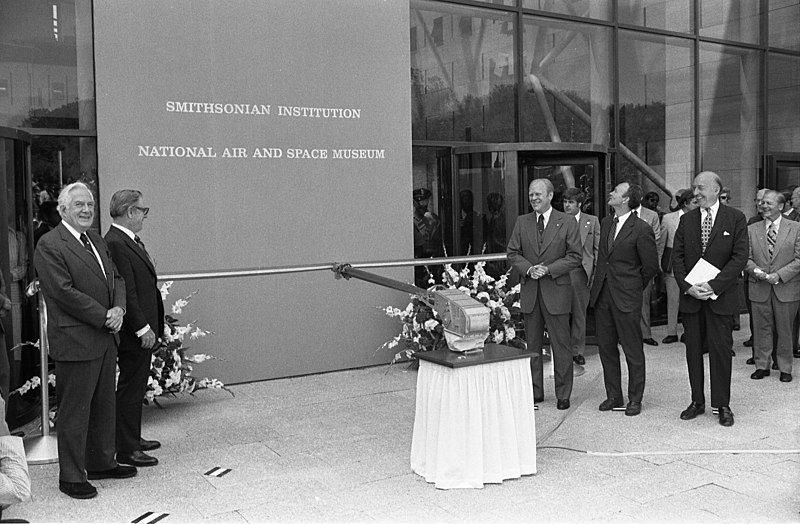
x: 726, y: 234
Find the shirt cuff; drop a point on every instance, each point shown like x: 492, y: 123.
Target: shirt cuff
x: 142, y: 332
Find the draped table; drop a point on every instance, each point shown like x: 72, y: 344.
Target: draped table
x: 474, y: 420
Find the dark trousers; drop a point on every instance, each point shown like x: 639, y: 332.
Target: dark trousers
x: 716, y: 332
x: 85, y: 423
x: 134, y: 369
x: 561, y: 353
x: 615, y: 326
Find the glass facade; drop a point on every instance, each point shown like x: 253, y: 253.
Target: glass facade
x: 665, y: 88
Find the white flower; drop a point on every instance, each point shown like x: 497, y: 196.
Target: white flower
x: 178, y: 306
x: 511, y: 333
x: 431, y: 324
x: 199, y: 358
x: 492, y: 304
x: 497, y: 336
x: 505, y: 314
x: 515, y: 289
x: 464, y: 289
x: 482, y: 295
x: 516, y: 304
x: 165, y: 289
x: 501, y: 283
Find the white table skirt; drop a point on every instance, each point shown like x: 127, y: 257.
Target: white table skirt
x: 474, y: 425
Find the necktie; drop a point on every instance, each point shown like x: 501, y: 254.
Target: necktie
x: 705, y: 229
x: 540, y: 228
x: 772, y: 235
x: 88, y: 246
x: 141, y: 245
x: 612, y: 232
x: 635, y: 214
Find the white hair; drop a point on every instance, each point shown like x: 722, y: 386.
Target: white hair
x: 64, y: 198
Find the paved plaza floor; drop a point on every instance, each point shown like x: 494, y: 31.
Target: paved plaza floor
x: 335, y: 448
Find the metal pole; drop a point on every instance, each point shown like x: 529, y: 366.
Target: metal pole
x: 42, y: 449
x: 330, y: 267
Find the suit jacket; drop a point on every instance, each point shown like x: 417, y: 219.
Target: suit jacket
x: 651, y: 217
x: 793, y: 215
x: 143, y: 298
x: 630, y: 264
x: 727, y: 250
x: 589, y: 229
x: 785, y: 261
x: 560, y: 252
x: 78, y: 295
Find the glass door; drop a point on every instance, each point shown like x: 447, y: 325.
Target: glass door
x: 783, y: 171
x: 581, y: 171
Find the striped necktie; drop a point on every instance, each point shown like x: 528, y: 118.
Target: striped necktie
x: 772, y: 235
x: 705, y: 229
x: 612, y: 232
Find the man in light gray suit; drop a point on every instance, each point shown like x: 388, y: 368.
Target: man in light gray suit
x: 544, y: 247
x: 589, y: 229
x: 651, y: 217
x: 774, y: 280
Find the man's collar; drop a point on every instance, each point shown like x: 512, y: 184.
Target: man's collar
x: 546, y: 214
x: 74, y: 232
x: 125, y: 230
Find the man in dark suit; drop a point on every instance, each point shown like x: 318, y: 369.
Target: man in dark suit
x: 773, y: 268
x: 85, y: 300
x: 717, y: 234
x: 589, y: 229
x: 626, y: 262
x: 48, y: 214
x: 544, y: 247
x: 141, y: 328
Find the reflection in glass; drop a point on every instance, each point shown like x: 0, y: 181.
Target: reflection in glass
x: 656, y: 110
x: 57, y: 161
x: 46, y: 64
x: 729, y: 116
x: 730, y: 20
x: 784, y: 21
x: 672, y: 15
x: 600, y: 9
x: 783, y: 79
x: 567, y: 88
x: 462, y: 76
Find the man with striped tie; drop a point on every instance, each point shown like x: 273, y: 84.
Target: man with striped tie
x: 718, y: 235
x: 773, y: 270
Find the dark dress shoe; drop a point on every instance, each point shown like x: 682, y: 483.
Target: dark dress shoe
x: 120, y: 472
x: 725, y: 417
x: 149, y: 445
x: 77, y: 490
x: 683, y: 338
x: 733, y: 353
x: 796, y: 354
x: 775, y: 366
x: 611, y: 403
x: 737, y: 327
x: 692, y: 411
x: 670, y: 339
x: 563, y: 403
x: 759, y: 374
x: 750, y: 361
x: 748, y: 343
x: 578, y: 359
x: 140, y: 459
x: 633, y: 409
x: 786, y: 377
x: 538, y: 400
x: 650, y: 342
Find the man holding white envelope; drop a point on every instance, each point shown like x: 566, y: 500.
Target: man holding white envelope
x: 710, y: 251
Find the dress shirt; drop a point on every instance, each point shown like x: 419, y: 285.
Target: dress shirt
x: 777, y: 224
x: 77, y: 236
x: 132, y: 236
x: 578, y: 217
x: 620, y: 221
x: 546, y: 216
x: 714, y: 210
x: 15, y: 483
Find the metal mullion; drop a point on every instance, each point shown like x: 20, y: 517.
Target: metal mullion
x: 615, y: 92
x: 696, y: 87
x: 762, y: 85
x: 518, y: 33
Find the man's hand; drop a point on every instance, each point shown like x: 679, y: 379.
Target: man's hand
x: 148, y: 339
x: 701, y: 291
x: 114, y: 319
x: 773, y: 278
x: 539, y: 270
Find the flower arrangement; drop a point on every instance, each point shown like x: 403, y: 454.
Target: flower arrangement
x: 422, y: 330
x: 170, y: 367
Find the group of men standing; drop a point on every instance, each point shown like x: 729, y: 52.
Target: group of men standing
x: 550, y: 250
x: 103, y: 309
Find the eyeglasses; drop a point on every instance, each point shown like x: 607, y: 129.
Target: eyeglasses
x: 144, y: 210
